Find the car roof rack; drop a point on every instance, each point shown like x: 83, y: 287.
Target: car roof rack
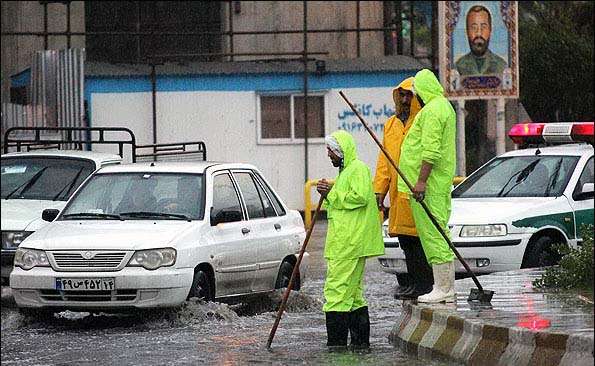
x: 80, y: 138
x: 67, y: 138
x: 164, y: 151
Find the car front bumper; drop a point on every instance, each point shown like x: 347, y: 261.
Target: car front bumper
x: 483, y: 255
x: 135, y: 287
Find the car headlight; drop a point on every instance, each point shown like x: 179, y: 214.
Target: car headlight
x: 12, y: 239
x: 29, y: 258
x: 483, y: 230
x: 154, y: 258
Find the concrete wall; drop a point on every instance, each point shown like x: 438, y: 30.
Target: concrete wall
x: 227, y: 120
x: 27, y: 16
x: 288, y: 15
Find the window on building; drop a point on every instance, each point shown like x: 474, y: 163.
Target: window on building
x: 282, y: 118
x: 155, y: 16
x: 275, y: 116
x: 412, y: 28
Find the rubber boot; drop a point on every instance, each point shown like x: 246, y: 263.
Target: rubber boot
x: 359, y: 328
x: 337, y: 330
x: 444, y: 284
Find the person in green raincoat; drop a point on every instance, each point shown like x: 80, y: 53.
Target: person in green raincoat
x: 354, y: 234
x: 428, y: 158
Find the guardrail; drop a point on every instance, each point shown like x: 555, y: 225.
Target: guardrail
x: 308, y: 204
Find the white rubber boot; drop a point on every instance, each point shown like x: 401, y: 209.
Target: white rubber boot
x: 444, y: 284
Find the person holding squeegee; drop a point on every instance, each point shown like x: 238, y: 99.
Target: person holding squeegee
x: 428, y: 157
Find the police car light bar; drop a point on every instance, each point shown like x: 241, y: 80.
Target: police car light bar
x: 552, y: 133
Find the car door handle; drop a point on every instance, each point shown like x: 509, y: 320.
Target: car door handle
x: 277, y: 226
x: 245, y: 230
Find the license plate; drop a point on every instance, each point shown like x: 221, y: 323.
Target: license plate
x: 85, y: 284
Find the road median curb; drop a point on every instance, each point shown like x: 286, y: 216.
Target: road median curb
x: 438, y: 332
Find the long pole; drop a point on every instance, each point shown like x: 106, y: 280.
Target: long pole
x: 305, y: 90
x: 293, y: 276
x: 423, y: 204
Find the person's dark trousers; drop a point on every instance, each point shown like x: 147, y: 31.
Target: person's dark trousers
x: 417, y: 266
x: 359, y: 328
x: 337, y: 329
x: 406, y: 287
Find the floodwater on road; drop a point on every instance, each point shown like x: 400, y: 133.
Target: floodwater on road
x: 207, y: 333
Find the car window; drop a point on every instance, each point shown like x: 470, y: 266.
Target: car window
x: 252, y: 198
x: 269, y: 210
x: 586, y: 177
x: 276, y: 203
x: 43, y: 178
x: 129, y: 194
x: 519, y: 176
x: 225, y: 199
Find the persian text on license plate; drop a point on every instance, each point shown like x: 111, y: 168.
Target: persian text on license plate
x: 85, y: 284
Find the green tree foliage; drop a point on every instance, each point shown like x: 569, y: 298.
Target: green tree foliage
x: 576, y: 266
x: 556, y: 59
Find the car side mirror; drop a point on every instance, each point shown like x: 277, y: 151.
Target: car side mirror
x: 49, y: 214
x: 586, y: 192
x: 588, y: 189
x: 225, y: 216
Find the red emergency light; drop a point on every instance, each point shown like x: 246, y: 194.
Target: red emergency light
x: 552, y: 133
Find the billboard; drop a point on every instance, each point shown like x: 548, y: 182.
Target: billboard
x: 479, y: 49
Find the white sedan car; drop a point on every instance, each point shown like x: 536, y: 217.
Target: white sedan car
x: 154, y: 234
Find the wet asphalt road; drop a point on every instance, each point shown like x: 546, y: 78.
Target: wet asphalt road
x: 207, y: 333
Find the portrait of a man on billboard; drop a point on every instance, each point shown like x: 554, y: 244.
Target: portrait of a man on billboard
x: 480, y: 60
x: 480, y: 48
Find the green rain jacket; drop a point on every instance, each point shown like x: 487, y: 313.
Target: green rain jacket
x: 431, y: 139
x: 354, y: 229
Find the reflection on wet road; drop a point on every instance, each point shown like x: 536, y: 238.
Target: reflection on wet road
x: 206, y: 333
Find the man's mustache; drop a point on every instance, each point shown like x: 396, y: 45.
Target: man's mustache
x: 479, y: 38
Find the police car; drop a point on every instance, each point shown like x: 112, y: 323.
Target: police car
x: 511, y: 212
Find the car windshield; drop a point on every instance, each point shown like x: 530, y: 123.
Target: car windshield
x: 519, y: 176
x: 138, y: 196
x: 43, y: 178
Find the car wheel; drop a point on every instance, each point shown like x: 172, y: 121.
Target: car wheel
x: 201, y: 286
x: 541, y: 253
x: 284, y: 276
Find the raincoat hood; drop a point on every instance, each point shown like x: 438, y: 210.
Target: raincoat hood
x: 406, y: 84
x: 427, y: 86
x: 347, y: 144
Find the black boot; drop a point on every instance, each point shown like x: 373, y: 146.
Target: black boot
x: 359, y: 328
x: 337, y: 329
x: 401, y: 290
x: 423, y: 277
x: 404, y: 243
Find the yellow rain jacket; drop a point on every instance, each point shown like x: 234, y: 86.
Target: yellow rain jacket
x: 431, y: 139
x: 400, y: 220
